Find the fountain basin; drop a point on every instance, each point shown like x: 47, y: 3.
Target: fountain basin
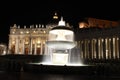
x: 61, y: 45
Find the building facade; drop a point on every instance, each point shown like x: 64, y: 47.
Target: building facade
x: 99, y: 23
x: 31, y: 40
x: 98, y: 39
x: 100, y: 44
x: 3, y: 49
x: 27, y: 40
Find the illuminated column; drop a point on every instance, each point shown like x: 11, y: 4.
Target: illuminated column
x: 114, y: 48
x: 95, y: 54
x: 109, y: 48
x: 85, y: 50
x: 46, y: 50
x: 9, y: 48
x: 92, y: 51
x: 118, y: 56
x: 18, y: 52
x: 43, y: 47
x: 40, y: 47
x: 16, y: 46
x: 101, y: 46
x: 78, y: 46
x: 35, y: 48
x: 19, y: 46
x: 18, y: 40
x: 81, y: 49
x: 23, y: 48
x: 31, y: 45
x: 41, y: 51
x: 42, y: 43
x: 93, y: 48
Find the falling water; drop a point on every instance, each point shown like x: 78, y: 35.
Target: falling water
x: 74, y: 58
x: 61, y: 47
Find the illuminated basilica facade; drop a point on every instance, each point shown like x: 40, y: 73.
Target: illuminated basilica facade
x: 30, y: 41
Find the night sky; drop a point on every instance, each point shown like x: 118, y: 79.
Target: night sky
x: 37, y: 12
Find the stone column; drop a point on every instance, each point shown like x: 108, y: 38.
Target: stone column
x: 18, y: 41
x: 117, y: 45
x: 46, y: 50
x: 41, y: 47
x: 31, y: 45
x: 18, y: 52
x: 16, y: 45
x: 9, y: 48
x: 23, y: 44
x: 35, y: 49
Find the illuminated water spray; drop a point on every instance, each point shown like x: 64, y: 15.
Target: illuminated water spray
x: 60, y: 39
x: 61, y: 47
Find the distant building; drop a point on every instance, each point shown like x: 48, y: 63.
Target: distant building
x: 3, y: 49
x: 99, y: 23
x: 98, y: 44
x: 31, y: 41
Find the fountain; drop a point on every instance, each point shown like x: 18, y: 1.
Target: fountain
x: 63, y: 57
x: 61, y: 42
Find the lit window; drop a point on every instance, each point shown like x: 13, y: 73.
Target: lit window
x: 38, y: 41
x: 13, y: 42
x: 21, y: 32
x: 13, y: 32
x: 34, y: 31
x: 27, y: 32
x: 44, y: 32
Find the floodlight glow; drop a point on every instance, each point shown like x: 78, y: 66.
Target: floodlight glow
x: 61, y: 35
x: 60, y: 58
x: 49, y: 63
x: 61, y: 23
x: 61, y: 39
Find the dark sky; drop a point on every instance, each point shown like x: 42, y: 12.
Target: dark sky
x: 41, y: 11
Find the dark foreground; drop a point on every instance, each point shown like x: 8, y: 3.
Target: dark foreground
x: 44, y: 72
x: 18, y: 68
x: 45, y: 76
